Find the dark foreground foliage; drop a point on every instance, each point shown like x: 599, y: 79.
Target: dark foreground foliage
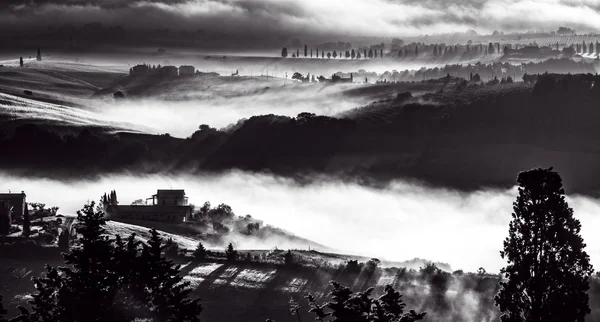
x: 110, y: 279
x: 346, y: 306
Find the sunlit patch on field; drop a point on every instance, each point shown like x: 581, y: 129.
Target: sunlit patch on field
x: 295, y: 285
x: 253, y: 278
x: 228, y: 275
x: 199, y: 274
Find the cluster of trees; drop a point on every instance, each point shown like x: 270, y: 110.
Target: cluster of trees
x: 485, y: 71
x: 111, y: 279
x: 559, y: 84
x: 584, y: 48
x: 348, y: 54
x: 346, y: 305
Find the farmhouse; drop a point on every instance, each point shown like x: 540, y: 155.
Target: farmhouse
x: 167, y: 206
x: 16, y: 201
x: 186, y: 70
x: 168, y: 70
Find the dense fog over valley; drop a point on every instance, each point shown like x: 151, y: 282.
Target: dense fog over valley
x: 400, y: 222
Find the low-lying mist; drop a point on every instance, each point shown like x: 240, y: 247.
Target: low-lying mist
x: 179, y: 111
x: 400, y: 222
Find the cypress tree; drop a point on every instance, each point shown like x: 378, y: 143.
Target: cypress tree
x: 26, y: 222
x: 548, y: 269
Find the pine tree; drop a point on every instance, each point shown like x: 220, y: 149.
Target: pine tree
x: 230, y: 253
x: 168, y: 294
x: 2, y: 311
x: 305, y: 51
x: 39, y: 55
x: 284, y: 52
x: 353, y: 54
x: 5, y: 214
x: 295, y: 308
x: 21, y: 61
x: 311, y: 53
x: 381, y: 53
x: 335, y: 54
x: 200, y: 252
x: 370, y: 53
x: 548, y: 270
x: 26, y: 222
x: 288, y: 258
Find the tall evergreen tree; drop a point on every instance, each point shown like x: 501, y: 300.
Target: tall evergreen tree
x: 353, y: 54
x: 548, y: 270
x: 305, y: 51
x: 284, y: 52
x: 370, y: 53
x: 311, y: 53
x: 166, y: 286
x: 21, y: 61
x: 39, y: 55
x: 5, y: 222
x: 200, y: 251
x: 381, y: 53
x: 26, y: 222
x: 335, y: 54
x: 230, y: 253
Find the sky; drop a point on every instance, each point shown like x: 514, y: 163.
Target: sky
x: 376, y: 18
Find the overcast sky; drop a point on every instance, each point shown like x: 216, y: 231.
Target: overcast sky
x: 313, y: 17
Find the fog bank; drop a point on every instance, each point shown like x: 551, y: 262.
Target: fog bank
x: 398, y: 223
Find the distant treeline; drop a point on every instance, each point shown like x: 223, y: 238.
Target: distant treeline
x: 485, y: 71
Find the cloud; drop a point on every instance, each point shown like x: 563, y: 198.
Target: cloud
x: 314, y: 17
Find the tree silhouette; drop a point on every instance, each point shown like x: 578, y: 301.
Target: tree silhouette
x: 26, y: 222
x: 2, y: 311
x: 490, y: 49
x: 335, y: 54
x: 353, y: 54
x: 370, y: 53
x: 21, y: 61
x: 305, y: 51
x: 230, y: 253
x: 295, y: 308
x: 329, y: 55
x: 548, y: 270
x: 365, y: 54
x: 298, y: 53
x: 284, y: 52
x: 5, y: 222
x: 39, y: 55
x: 288, y: 258
x: 200, y: 252
x: 381, y: 53
x: 347, y: 306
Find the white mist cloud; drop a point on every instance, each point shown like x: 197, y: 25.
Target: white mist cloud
x: 400, y: 222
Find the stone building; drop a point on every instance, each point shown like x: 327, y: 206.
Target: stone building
x: 167, y: 206
x: 17, y: 201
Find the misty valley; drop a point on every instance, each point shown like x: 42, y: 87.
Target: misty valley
x: 361, y: 161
